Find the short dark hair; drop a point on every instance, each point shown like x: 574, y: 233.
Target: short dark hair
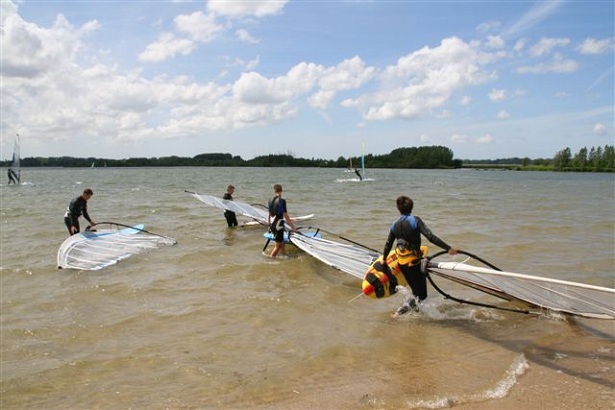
x: 404, y: 205
x: 277, y: 188
x: 88, y: 191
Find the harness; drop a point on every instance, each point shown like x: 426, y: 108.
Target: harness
x: 407, y: 253
x: 276, y: 214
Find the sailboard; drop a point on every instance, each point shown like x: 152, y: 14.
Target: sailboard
x: 360, y: 172
x: 258, y: 215
x: 534, y: 292
x: 108, y: 244
x: 270, y: 236
x: 292, y: 218
x: 15, y: 169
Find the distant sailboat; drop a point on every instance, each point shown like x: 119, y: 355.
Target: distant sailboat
x: 14, y: 171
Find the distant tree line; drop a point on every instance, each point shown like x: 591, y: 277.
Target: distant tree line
x: 600, y: 159
x: 596, y: 159
x: 415, y: 157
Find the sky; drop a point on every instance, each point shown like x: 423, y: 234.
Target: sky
x: 312, y: 78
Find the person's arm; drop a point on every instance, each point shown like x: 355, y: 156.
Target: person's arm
x: 86, y: 215
x: 388, y: 246
x: 424, y: 229
x: 289, y: 221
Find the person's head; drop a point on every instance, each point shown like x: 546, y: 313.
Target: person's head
x: 277, y: 188
x: 87, y: 193
x: 404, y: 205
x: 230, y: 189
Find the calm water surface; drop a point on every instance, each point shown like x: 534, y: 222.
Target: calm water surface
x: 211, y: 323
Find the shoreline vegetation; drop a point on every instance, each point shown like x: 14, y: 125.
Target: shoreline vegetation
x: 600, y: 159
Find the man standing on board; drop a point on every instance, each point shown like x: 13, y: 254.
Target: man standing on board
x: 278, y: 218
x: 12, y: 176
x: 231, y: 218
x: 407, y: 230
x: 76, y: 208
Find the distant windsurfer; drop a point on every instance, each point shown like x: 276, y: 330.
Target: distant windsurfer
x: 13, y: 178
x: 231, y: 218
x: 407, y: 230
x: 77, y: 207
x: 356, y: 171
x: 278, y: 218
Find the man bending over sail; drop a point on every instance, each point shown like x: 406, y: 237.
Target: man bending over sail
x: 77, y: 207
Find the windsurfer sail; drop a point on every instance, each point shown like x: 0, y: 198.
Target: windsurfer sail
x: 536, y: 293
x: 261, y: 216
x: 108, y: 244
x: 258, y: 215
x: 14, y: 172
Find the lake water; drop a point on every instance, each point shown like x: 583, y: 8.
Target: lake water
x: 211, y: 323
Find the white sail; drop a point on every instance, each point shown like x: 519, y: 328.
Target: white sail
x: 351, y: 259
x: 545, y: 293
x: 536, y: 292
x: 16, y: 161
x: 258, y: 215
x: 107, y: 245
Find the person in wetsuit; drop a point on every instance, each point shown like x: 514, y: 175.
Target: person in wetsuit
x: 12, y: 177
x: 356, y: 171
x: 77, y: 207
x: 407, y: 230
x: 278, y: 218
x: 231, y: 218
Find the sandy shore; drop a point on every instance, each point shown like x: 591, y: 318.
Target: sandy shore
x: 544, y: 388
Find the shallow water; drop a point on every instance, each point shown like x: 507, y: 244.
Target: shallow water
x: 211, y: 323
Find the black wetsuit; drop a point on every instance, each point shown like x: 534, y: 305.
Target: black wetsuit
x: 12, y: 177
x: 76, y: 208
x: 407, y: 230
x: 231, y: 218
x: 356, y: 171
x: 277, y: 209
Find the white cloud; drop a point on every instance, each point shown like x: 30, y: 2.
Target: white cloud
x: 485, y: 139
x: 199, y: 26
x: 29, y: 51
x: 245, y: 36
x: 495, y: 43
x: 489, y: 26
x: 498, y: 95
x: 593, y: 46
x: 503, y: 115
x: 558, y: 64
x: 243, y: 9
x: 546, y: 45
x: 425, y: 139
x: 539, y: 12
x: 465, y: 100
x: 425, y: 80
x: 520, y: 45
x: 599, y: 129
x: 167, y: 45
